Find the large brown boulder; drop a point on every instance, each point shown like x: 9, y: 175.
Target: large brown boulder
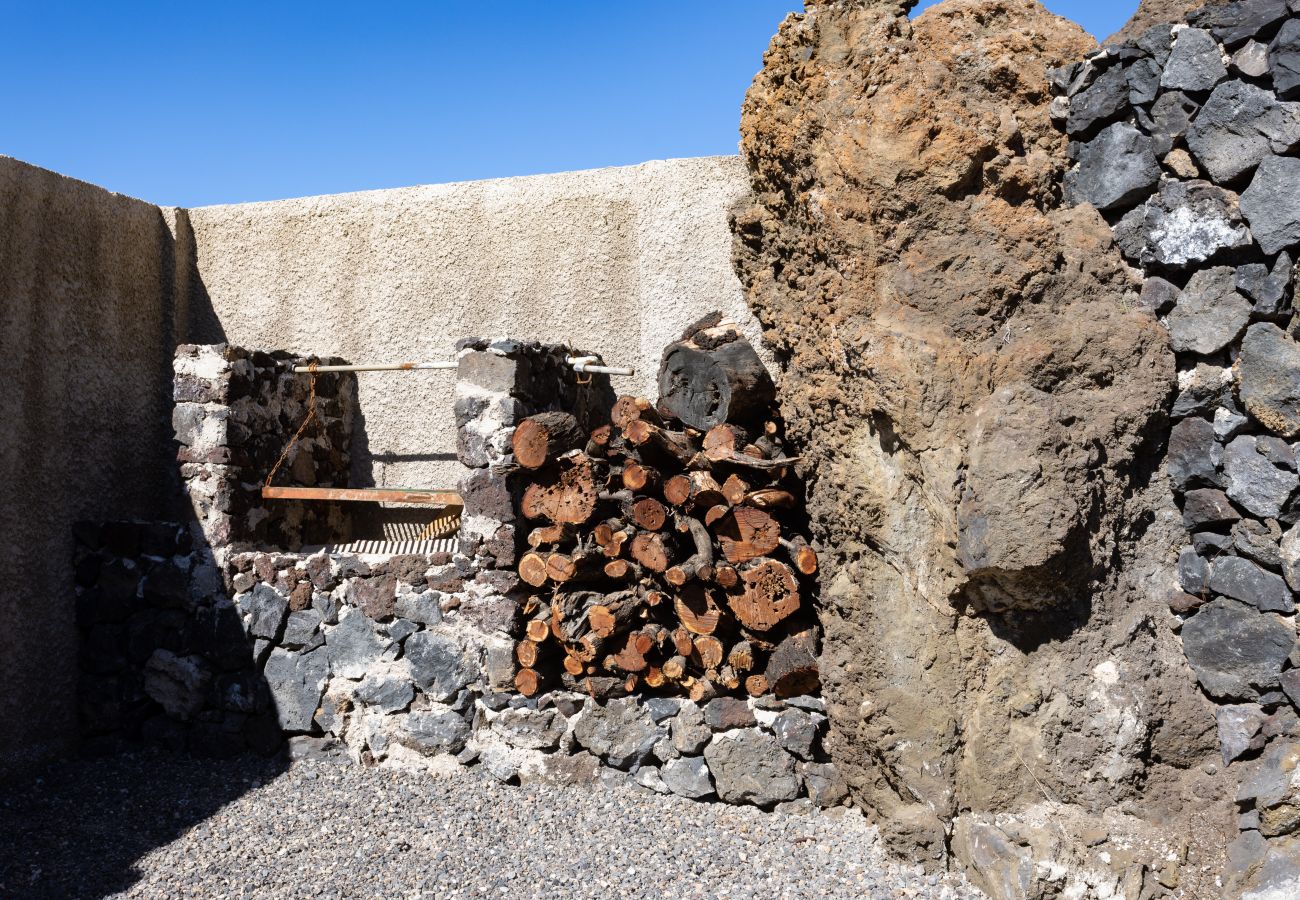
x: 980, y: 405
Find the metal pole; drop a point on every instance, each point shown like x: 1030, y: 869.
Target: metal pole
x: 387, y: 367
x: 584, y: 364
x: 581, y: 364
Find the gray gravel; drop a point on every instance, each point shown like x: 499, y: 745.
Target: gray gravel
x: 145, y: 825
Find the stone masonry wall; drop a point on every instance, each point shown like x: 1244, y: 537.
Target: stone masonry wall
x: 236, y: 411
x: 1186, y: 139
x: 404, y: 660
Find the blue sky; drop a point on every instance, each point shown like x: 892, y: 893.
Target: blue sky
x: 196, y: 103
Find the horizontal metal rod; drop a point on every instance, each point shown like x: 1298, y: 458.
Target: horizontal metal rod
x: 383, y: 367
x: 585, y: 364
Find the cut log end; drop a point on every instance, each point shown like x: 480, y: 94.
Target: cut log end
x: 528, y: 682
x: 649, y: 514
x: 527, y: 653
x: 697, y: 610
x: 652, y: 551
x: 708, y: 652
x: 568, y: 497
x: 532, y: 569
x: 542, y: 438
x: 747, y: 533
x: 770, y: 595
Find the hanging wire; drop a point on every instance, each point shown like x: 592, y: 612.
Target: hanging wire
x: 311, y: 414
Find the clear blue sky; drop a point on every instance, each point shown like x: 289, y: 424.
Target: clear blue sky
x: 196, y: 103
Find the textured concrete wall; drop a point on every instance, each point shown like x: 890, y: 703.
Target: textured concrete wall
x: 617, y: 260
x: 86, y: 281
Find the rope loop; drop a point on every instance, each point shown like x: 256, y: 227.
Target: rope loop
x: 311, y: 414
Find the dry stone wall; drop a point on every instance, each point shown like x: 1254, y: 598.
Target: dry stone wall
x: 1186, y: 138
x: 196, y: 639
x: 236, y: 413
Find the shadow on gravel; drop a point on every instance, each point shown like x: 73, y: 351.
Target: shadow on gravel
x: 78, y: 828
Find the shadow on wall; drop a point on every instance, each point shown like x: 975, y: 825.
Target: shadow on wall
x: 95, y: 291
x: 88, y: 326
x: 164, y: 665
x: 197, y: 319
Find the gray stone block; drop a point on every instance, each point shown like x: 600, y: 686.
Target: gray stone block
x: 1207, y: 507
x: 1235, y: 649
x: 824, y: 785
x: 352, y: 646
x: 749, y: 766
x: 796, y: 731
x: 529, y: 729
x: 1104, y: 100
x: 177, y: 683
x: 1202, y: 390
x: 1269, y: 371
x: 433, y: 732
x: 303, y: 630
x: 690, y: 734
x: 620, y: 732
x: 1238, y: 724
x: 1195, y: 62
x: 1240, y: 126
x: 1233, y: 23
x: 1193, y: 571
x: 688, y: 776
x: 1167, y: 120
x: 1194, y: 455
x: 1284, y: 60
x: 1187, y: 222
x: 296, y: 682
x: 1242, y: 580
x: 390, y: 693
x: 1259, y: 541
x: 1267, y: 289
x: 1143, y: 81
x: 424, y: 607
x: 439, y: 665
x: 1255, y: 483
x: 1272, y: 203
x: 266, y: 609
x: 1289, y: 551
x: 489, y: 372
x: 1209, y: 314
x: 1116, y: 169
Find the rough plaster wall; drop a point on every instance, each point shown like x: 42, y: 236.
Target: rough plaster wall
x: 86, y: 280
x: 617, y: 260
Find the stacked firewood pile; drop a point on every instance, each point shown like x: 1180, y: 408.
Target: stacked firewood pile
x: 666, y: 553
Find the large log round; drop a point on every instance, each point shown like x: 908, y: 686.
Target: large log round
x: 708, y: 387
x: 541, y: 438
x: 770, y: 595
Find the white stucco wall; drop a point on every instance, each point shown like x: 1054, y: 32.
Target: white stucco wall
x: 617, y: 260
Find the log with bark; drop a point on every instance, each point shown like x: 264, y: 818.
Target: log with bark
x: 664, y: 550
x: 714, y: 377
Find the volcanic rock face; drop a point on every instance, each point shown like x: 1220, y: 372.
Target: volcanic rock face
x: 979, y: 396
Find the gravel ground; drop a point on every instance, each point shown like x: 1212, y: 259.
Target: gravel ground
x: 146, y: 825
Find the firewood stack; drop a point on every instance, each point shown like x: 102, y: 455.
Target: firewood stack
x: 666, y: 553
